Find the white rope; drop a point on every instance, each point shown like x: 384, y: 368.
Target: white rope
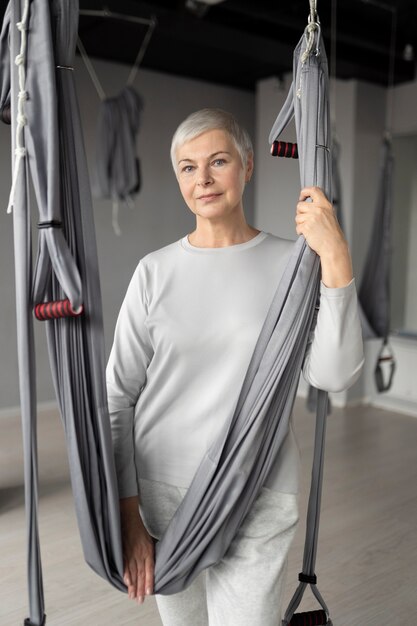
x: 20, y: 60
x: 310, y: 30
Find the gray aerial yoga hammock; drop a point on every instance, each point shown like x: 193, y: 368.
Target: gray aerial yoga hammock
x: 116, y: 174
x: 374, y: 291
x: 66, y: 266
x: 233, y: 472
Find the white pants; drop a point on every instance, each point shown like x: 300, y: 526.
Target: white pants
x: 245, y: 588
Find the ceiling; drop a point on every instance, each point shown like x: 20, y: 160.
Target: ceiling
x: 238, y: 42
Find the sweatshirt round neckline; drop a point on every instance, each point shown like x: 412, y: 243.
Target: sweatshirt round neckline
x: 233, y: 248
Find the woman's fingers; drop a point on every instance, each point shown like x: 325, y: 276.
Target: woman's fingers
x: 138, y: 551
x: 140, y: 583
x: 317, y: 222
x: 144, y: 582
x: 315, y: 193
x: 130, y: 580
x: 139, y: 571
x: 149, y: 575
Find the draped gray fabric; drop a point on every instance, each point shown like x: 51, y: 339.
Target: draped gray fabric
x: 66, y: 266
x: 374, y: 292
x: 233, y: 472
x: 235, y: 468
x: 25, y: 337
x: 116, y: 172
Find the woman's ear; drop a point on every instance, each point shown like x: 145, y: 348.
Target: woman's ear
x: 249, y: 167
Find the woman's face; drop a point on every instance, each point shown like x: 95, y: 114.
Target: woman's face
x: 211, y: 175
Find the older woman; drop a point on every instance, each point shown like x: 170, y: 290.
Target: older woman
x: 183, y: 341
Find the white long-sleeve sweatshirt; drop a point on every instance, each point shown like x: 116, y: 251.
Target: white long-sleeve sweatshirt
x: 184, y: 337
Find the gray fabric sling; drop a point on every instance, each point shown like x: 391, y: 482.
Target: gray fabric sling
x: 116, y: 174
x: 311, y: 401
x: 234, y: 470
x: 374, y: 291
x: 307, y: 102
x: 59, y: 173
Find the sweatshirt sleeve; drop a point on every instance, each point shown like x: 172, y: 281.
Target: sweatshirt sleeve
x: 334, y: 355
x: 129, y: 359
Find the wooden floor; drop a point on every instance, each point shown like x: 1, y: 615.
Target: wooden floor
x: 368, y: 537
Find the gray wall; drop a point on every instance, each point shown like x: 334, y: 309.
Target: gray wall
x: 158, y: 218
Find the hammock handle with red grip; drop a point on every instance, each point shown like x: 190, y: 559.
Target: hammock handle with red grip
x: 284, y: 149
x: 54, y: 310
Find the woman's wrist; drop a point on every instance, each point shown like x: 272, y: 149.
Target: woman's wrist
x: 129, y: 511
x: 336, y: 267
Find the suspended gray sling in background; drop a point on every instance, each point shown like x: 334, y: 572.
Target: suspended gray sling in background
x: 116, y: 172
x: 374, y: 292
x: 236, y: 467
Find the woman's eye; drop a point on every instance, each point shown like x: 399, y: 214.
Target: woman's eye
x: 187, y: 169
x: 219, y: 162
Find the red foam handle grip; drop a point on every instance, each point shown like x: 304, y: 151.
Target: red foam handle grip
x: 55, y: 310
x: 284, y: 149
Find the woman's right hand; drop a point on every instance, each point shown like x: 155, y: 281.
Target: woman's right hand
x: 138, y: 551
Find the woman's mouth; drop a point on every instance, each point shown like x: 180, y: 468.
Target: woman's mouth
x: 209, y: 196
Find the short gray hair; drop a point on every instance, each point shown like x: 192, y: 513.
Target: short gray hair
x: 211, y: 119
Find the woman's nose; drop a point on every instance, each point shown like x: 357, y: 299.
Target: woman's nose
x: 204, y: 178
